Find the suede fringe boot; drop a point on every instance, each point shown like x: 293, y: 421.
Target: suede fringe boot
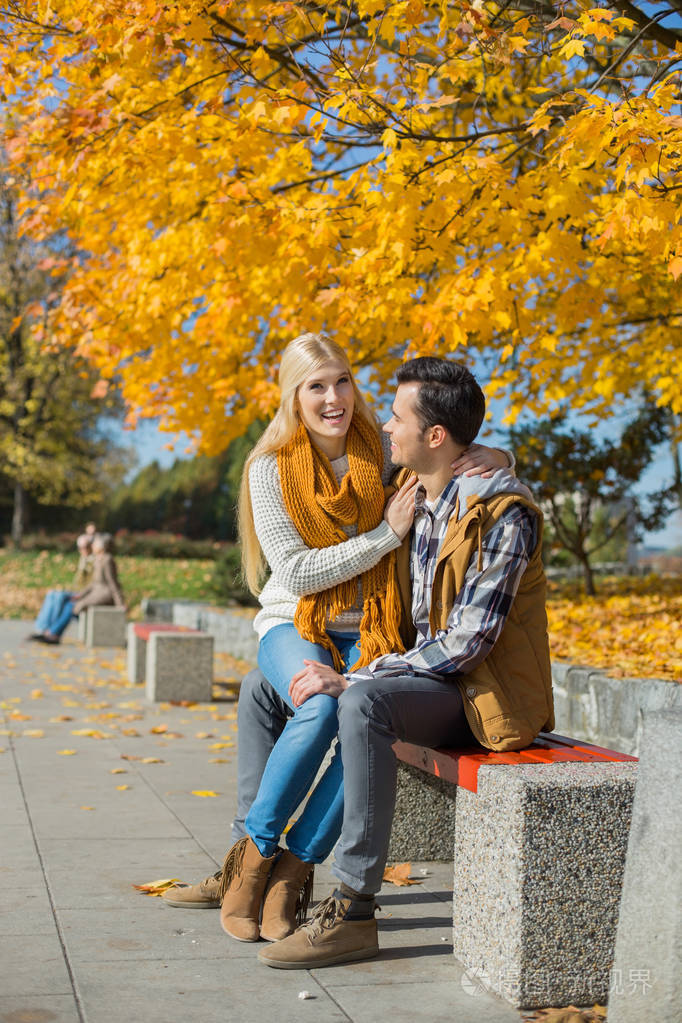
x: 245, y: 875
x: 287, y: 897
x: 341, y: 930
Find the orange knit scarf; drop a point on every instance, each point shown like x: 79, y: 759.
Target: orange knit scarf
x: 319, y: 509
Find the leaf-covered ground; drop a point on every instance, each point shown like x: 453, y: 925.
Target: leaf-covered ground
x: 631, y: 628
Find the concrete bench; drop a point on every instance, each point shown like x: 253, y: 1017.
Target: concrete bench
x: 138, y: 636
x: 104, y: 625
x: 178, y: 663
x: 539, y: 839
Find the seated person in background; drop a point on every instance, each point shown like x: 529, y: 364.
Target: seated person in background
x: 103, y: 589
x: 56, y: 600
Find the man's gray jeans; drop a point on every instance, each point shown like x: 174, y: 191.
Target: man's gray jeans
x: 372, y: 715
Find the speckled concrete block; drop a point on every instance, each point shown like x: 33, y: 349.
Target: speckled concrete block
x: 83, y: 626
x: 136, y: 655
x: 645, y: 982
x: 179, y: 666
x: 105, y: 626
x: 424, y: 819
x: 539, y: 859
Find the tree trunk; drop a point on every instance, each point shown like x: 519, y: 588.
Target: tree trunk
x: 19, y: 515
x: 588, y: 576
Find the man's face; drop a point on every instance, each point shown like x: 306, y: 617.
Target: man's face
x: 408, y: 445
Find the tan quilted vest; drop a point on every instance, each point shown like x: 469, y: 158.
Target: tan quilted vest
x: 508, y: 697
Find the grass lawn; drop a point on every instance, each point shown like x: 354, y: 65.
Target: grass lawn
x: 631, y: 628
x: 27, y: 575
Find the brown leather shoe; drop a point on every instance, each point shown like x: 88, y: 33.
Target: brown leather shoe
x: 245, y: 875
x: 204, y: 895
x: 335, y: 934
x: 286, y: 897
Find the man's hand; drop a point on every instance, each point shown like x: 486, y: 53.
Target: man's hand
x: 399, y: 510
x: 479, y: 460
x: 313, y: 679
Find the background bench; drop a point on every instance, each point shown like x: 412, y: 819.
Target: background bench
x: 175, y: 662
x: 538, y: 840
x: 103, y: 625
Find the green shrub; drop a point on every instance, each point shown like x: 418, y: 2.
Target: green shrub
x: 149, y: 544
x: 227, y: 582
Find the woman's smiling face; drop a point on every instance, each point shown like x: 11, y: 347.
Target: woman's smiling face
x: 325, y: 403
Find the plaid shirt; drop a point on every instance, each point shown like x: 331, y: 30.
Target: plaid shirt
x: 482, y: 605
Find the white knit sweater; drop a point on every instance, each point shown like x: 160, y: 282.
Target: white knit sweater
x: 297, y: 570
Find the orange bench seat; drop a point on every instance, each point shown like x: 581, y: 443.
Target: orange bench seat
x: 460, y: 766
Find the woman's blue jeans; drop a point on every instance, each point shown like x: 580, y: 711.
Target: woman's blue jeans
x: 62, y: 620
x: 51, y: 609
x: 299, y: 751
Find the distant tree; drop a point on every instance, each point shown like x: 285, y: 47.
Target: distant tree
x: 196, y: 496
x: 51, y: 448
x: 586, y: 485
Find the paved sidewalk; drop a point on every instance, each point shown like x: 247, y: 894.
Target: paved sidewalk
x: 78, y: 943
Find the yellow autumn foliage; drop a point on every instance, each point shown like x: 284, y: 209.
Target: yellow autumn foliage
x: 631, y: 628
x: 491, y: 179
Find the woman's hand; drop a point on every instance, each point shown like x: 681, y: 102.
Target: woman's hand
x: 313, y: 679
x: 399, y: 510
x: 479, y: 460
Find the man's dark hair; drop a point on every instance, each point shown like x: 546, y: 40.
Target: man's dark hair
x: 449, y: 396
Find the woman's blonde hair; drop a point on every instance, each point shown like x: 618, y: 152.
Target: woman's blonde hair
x: 303, y: 356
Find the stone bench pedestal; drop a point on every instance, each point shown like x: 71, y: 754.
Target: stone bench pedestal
x: 103, y: 626
x: 538, y: 868
x: 179, y: 666
x: 138, y: 636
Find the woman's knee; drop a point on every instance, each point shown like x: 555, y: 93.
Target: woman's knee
x: 319, y: 712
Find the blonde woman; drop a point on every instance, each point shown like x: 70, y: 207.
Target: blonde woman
x: 312, y: 513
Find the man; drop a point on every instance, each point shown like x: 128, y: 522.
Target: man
x: 476, y: 666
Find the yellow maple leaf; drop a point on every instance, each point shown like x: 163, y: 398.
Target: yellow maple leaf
x: 204, y: 793
x: 157, y: 887
x: 66, y: 752
x: 399, y: 875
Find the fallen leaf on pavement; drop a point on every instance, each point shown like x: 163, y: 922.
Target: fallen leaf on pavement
x: 570, y: 1014
x: 219, y: 760
x: 205, y: 793
x: 151, y: 760
x: 400, y: 875
x: 118, y: 770
x: 66, y: 752
x: 87, y: 808
x: 157, y: 887
x: 159, y: 729
x: 122, y: 788
x: 33, y: 733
